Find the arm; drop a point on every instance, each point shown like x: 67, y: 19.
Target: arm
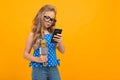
x: 28, y: 48
x: 60, y: 45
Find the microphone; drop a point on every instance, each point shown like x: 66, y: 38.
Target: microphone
x: 43, y: 50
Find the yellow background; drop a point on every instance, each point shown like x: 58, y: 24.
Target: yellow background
x: 91, y: 34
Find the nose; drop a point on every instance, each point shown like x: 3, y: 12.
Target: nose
x: 50, y: 21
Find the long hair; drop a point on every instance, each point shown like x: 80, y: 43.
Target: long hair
x: 38, y: 25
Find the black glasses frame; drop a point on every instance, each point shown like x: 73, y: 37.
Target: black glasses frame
x: 49, y: 19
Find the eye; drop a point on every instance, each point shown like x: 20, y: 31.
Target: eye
x: 53, y: 20
x: 47, y: 17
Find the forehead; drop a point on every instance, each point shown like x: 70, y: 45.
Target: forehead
x: 50, y: 14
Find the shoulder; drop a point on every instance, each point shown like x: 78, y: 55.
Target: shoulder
x: 30, y: 36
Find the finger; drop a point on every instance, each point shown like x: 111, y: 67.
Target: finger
x: 57, y: 40
x: 40, y: 60
x: 58, y: 35
x: 46, y: 60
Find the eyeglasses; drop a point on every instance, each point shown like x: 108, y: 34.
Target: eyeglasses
x: 48, y: 19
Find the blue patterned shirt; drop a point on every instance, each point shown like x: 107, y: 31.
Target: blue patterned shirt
x: 52, y: 59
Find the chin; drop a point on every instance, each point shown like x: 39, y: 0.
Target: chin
x: 47, y: 27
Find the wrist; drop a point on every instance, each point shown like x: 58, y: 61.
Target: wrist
x: 36, y: 59
x: 59, y: 42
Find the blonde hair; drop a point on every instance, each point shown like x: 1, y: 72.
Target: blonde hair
x: 38, y: 25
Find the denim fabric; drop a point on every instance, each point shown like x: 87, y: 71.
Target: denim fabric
x: 45, y: 73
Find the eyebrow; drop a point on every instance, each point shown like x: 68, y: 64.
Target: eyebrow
x: 50, y: 17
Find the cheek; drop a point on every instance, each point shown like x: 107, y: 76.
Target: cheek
x: 47, y: 24
x: 44, y: 23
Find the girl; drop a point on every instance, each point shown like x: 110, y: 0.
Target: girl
x: 43, y: 27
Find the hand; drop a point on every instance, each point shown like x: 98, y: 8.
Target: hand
x: 58, y: 38
x: 42, y: 58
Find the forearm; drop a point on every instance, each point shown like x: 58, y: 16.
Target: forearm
x: 61, y: 47
x: 30, y: 57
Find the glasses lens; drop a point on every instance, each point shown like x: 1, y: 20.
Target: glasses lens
x: 47, y: 18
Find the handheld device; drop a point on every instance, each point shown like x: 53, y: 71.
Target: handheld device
x: 56, y: 31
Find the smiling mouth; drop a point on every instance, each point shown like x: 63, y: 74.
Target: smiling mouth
x: 48, y: 24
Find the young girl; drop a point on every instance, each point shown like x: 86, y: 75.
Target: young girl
x: 43, y: 27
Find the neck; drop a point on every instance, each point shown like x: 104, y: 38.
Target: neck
x: 46, y: 31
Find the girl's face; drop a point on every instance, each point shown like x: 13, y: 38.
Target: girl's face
x: 49, y: 18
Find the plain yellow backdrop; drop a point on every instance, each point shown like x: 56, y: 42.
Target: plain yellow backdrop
x: 91, y: 34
